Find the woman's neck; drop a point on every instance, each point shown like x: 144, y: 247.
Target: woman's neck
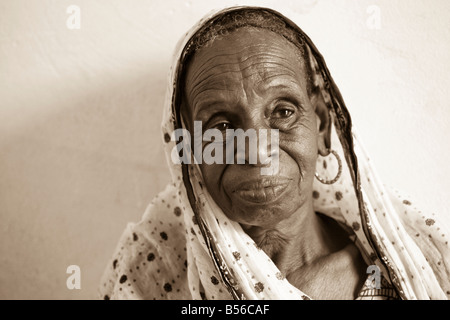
x: 314, y: 253
x: 299, y: 240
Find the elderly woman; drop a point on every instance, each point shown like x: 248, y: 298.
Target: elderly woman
x: 318, y: 226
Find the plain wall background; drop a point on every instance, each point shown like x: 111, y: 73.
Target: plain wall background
x: 80, y: 111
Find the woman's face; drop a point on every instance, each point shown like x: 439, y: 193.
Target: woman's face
x: 256, y: 79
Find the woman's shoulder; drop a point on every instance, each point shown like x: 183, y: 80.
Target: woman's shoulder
x: 429, y: 235
x: 150, y: 259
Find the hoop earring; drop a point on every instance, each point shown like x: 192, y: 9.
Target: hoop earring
x: 324, y: 181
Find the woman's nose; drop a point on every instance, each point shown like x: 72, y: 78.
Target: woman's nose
x: 266, y: 148
x: 256, y: 145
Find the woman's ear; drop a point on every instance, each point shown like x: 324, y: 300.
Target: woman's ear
x: 323, y: 122
x: 319, y: 98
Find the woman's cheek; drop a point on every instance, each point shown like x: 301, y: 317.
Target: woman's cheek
x: 212, y: 175
x: 300, y: 144
x: 301, y: 151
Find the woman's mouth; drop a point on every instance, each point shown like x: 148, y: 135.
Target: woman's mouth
x: 262, y: 191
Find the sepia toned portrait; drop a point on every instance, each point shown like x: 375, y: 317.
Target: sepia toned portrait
x: 206, y: 150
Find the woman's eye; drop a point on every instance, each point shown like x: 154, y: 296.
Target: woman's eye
x: 222, y: 126
x: 284, y: 116
x: 282, y: 113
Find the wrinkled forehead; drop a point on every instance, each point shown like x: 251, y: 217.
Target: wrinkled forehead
x: 246, y: 52
x: 242, y: 45
x: 241, y: 52
x: 220, y: 24
x: 248, y: 57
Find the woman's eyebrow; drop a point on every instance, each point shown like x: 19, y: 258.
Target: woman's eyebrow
x: 208, y: 96
x: 291, y: 92
x: 216, y: 115
x: 207, y: 108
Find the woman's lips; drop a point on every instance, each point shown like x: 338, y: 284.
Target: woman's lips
x: 262, y: 191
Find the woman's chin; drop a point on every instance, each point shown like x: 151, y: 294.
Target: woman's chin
x: 262, y: 209
x: 259, y: 215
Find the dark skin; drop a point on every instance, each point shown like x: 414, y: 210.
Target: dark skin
x: 256, y: 79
